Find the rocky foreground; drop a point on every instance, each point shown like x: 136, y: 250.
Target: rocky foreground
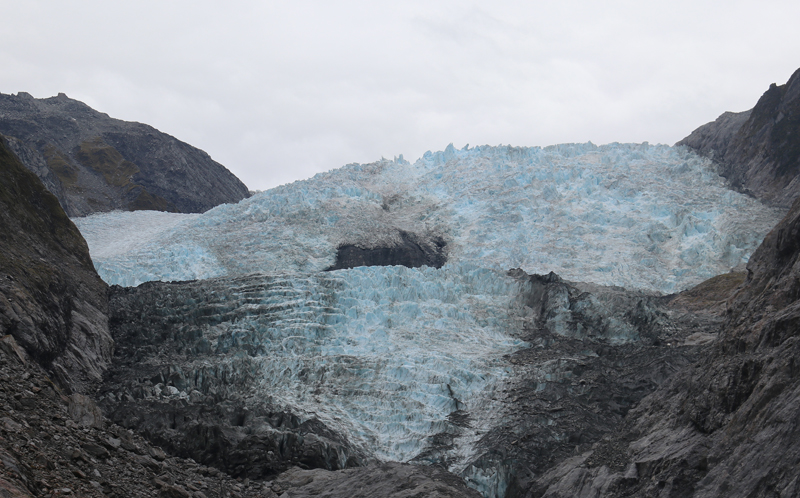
x: 52, y: 444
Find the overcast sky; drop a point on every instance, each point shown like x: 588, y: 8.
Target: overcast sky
x: 277, y: 91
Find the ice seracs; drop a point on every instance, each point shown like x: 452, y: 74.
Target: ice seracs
x: 636, y: 215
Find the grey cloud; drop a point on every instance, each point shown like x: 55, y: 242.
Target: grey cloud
x: 277, y: 91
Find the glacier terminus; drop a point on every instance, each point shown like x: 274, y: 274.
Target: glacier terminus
x: 392, y: 359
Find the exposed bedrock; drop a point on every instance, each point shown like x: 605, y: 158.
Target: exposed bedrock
x: 94, y: 163
x: 595, y: 353
x: 728, y: 424
x: 389, y: 480
x: 51, y: 299
x: 244, y: 439
x: 758, y: 150
x: 410, y: 249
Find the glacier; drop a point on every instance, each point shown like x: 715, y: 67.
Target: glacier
x: 386, y: 354
x: 381, y: 354
x: 641, y: 216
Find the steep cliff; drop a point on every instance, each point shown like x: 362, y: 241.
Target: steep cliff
x: 94, y: 163
x: 51, y: 299
x: 758, y: 150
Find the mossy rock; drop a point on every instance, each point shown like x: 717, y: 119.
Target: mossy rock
x: 712, y: 294
x: 108, y: 162
x: 105, y: 160
x: 61, y: 166
x: 147, y: 201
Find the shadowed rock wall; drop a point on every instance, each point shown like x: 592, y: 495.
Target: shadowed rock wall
x: 51, y: 299
x: 412, y: 251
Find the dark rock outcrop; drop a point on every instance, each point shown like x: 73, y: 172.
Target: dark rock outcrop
x: 51, y: 299
x: 93, y: 163
x: 758, y: 150
x: 390, y: 480
x: 410, y: 250
x: 725, y: 426
x: 595, y: 353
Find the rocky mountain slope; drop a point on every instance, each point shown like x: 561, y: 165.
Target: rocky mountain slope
x: 726, y: 425
x: 94, y: 163
x: 51, y: 299
x: 758, y: 150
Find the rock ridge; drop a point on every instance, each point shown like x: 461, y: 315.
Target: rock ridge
x: 758, y: 150
x: 94, y: 163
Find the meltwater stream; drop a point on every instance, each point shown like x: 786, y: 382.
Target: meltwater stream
x: 385, y: 355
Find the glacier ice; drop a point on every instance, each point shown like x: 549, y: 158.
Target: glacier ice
x: 385, y: 354
x: 380, y: 354
x: 396, y: 351
x: 636, y: 215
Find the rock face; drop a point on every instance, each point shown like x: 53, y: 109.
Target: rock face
x: 93, y: 163
x: 595, y: 353
x: 51, y: 299
x: 726, y: 425
x: 412, y: 250
x: 758, y: 150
